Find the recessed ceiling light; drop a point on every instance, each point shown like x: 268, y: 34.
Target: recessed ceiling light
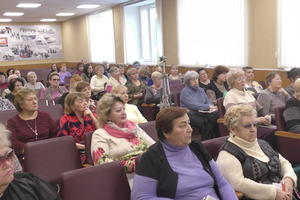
x: 48, y: 20
x: 64, y: 14
x: 5, y: 20
x: 28, y: 5
x: 13, y: 14
x: 89, y: 6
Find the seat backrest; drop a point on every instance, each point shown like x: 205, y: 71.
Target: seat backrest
x: 88, y: 142
x: 55, y: 111
x: 150, y: 129
x: 287, y: 143
x: 279, y: 119
x: 149, y: 111
x: 6, y: 115
x: 49, y: 158
x: 221, y: 108
x: 104, y: 182
x: 213, y: 145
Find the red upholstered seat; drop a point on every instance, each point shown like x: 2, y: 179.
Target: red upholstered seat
x: 150, y: 129
x: 213, y: 145
x: 6, y: 115
x: 104, y: 182
x: 88, y: 142
x: 221, y: 108
x: 279, y: 119
x: 288, y: 144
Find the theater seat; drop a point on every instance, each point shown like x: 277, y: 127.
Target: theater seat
x: 221, y: 108
x: 103, y: 182
x: 213, y: 145
x: 55, y: 111
x: 279, y: 119
x: 49, y: 158
x: 287, y: 144
x: 149, y: 128
x: 149, y: 111
x: 88, y: 142
x: 6, y: 115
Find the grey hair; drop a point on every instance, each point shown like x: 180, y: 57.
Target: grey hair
x: 4, y: 136
x: 189, y: 75
x: 31, y: 73
x: 233, y: 75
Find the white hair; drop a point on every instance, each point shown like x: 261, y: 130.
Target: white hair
x: 4, y: 136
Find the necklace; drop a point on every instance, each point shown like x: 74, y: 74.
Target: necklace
x: 33, y: 130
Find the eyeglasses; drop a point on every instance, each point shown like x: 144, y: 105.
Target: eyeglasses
x: 8, y: 157
x: 55, y: 79
x: 250, y: 125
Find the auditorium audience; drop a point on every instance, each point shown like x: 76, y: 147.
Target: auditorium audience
x: 79, y: 68
x: 292, y: 75
x: 123, y: 78
x: 251, y: 165
x: 53, y: 68
x: 10, y: 71
x: 202, y: 112
x: 85, y: 88
x: 32, y: 82
x: 132, y: 112
x: 136, y: 88
x: 238, y: 95
x: 3, y: 83
x: 291, y: 112
x: 251, y: 85
x: 88, y: 72
x: 118, y: 138
x: 18, y: 73
x: 17, y: 185
x: 98, y: 82
x: 204, y: 81
x: 30, y: 124
x: 63, y: 73
x: 176, y: 167
x: 174, y: 74
x: 14, y: 86
x: 274, y: 96
x: 153, y: 93
x: 7, y: 91
x: 144, y: 74
x: 114, y: 79
x: 5, y: 104
x: 54, y: 91
x: 218, y: 86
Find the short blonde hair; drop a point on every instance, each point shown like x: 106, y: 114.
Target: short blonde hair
x: 30, y: 74
x: 233, y: 75
x: 4, y: 136
x: 74, y: 80
x: 70, y: 100
x: 235, y: 113
x: 117, y: 89
x: 105, y: 104
x: 156, y: 74
x: 20, y: 97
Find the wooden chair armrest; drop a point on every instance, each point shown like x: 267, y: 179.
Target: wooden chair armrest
x: 287, y: 134
x: 240, y: 195
x: 148, y: 105
x: 87, y: 165
x: 221, y: 121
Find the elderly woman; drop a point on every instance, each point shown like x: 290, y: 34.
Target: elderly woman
x: 136, y: 88
x: 85, y: 88
x: 119, y: 138
x: 77, y: 120
x: 153, y: 93
x: 218, y: 86
x: 14, y: 86
x: 16, y: 184
x: 114, y: 80
x: 174, y: 75
x: 202, y: 113
x: 54, y: 91
x: 291, y: 113
x: 30, y: 124
x: 238, y: 95
x: 250, y: 165
x: 251, y: 85
x: 132, y: 112
x: 32, y: 83
x: 204, y: 81
x: 274, y: 96
x: 98, y: 81
x: 176, y: 167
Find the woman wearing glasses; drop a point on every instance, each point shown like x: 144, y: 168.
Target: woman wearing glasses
x: 251, y: 165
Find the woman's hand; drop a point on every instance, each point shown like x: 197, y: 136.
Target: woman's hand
x: 281, y: 195
x: 80, y: 146
x: 263, y: 120
x: 137, y: 96
x: 87, y: 112
x: 289, y: 185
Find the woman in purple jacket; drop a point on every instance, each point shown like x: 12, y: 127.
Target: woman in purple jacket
x: 176, y: 167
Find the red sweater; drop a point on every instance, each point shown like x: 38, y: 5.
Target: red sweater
x: 21, y: 133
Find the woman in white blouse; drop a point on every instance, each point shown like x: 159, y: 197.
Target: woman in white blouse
x: 99, y: 80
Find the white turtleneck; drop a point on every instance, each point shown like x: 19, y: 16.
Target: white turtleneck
x: 232, y: 170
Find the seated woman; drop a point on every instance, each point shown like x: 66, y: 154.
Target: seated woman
x: 132, y: 112
x: 123, y: 78
x: 53, y: 68
x: 136, y: 88
x: 174, y: 75
x: 77, y: 120
x: 251, y: 165
x: 114, y: 80
x: 19, y: 75
x: 88, y: 72
x: 238, y: 95
x: 292, y: 75
x: 204, y: 81
x: 274, y: 96
x: 176, y: 167
x: 5, y: 104
x: 98, y: 82
x: 63, y: 73
x: 202, y: 112
x: 218, y: 87
x: 32, y: 83
x: 153, y: 93
x: 30, y: 124
x: 144, y: 74
x: 251, y: 85
x: 54, y: 90
x: 20, y: 185
x: 85, y: 88
x: 14, y: 86
x: 291, y: 112
x: 119, y: 138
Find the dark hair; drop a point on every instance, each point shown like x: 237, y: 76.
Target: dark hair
x: 78, y: 65
x: 220, y: 69
x: 81, y: 85
x: 165, y: 118
x: 85, y: 70
x: 7, y: 71
x: 247, y: 68
x: 270, y: 77
x: 12, y: 83
x: 293, y: 73
x: 53, y: 74
x: 200, y: 69
x: 2, y: 73
x: 136, y: 64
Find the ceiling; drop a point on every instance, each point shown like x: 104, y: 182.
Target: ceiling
x: 49, y: 8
